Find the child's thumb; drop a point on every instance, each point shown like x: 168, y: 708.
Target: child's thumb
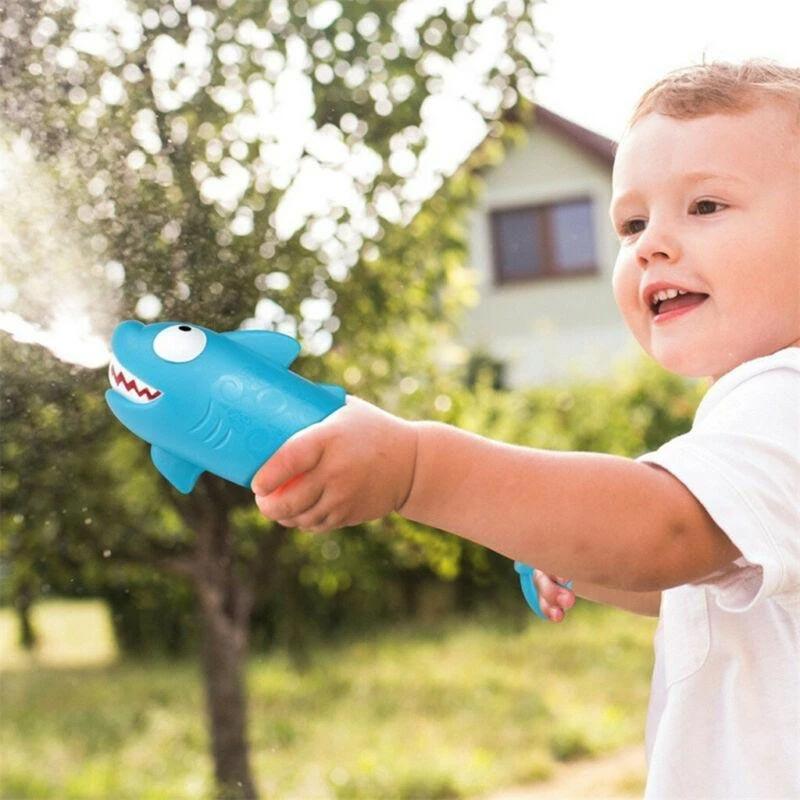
x: 299, y: 453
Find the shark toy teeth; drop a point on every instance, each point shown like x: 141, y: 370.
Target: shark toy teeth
x: 207, y: 401
x: 129, y: 385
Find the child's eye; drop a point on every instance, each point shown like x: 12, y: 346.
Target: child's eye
x: 704, y: 208
x: 705, y: 204
x: 625, y: 229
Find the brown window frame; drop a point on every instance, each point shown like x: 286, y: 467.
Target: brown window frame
x: 543, y: 222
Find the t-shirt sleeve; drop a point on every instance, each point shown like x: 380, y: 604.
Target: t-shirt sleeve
x: 742, y: 462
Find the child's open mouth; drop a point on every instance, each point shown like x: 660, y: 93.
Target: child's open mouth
x: 673, y: 307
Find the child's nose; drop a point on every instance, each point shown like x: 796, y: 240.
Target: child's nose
x: 656, y: 243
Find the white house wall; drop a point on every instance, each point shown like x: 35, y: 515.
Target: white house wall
x: 557, y: 328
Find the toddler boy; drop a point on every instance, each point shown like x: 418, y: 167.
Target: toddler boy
x: 705, y: 531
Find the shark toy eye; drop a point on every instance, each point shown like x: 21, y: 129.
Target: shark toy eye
x: 179, y: 343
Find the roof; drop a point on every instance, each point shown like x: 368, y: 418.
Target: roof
x: 591, y: 143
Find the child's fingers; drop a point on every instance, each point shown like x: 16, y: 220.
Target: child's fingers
x: 293, y: 498
x: 297, y: 454
x: 547, y: 596
x: 553, y: 599
x: 551, y: 612
x: 566, y: 598
x: 547, y: 588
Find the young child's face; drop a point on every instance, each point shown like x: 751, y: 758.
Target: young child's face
x: 734, y: 242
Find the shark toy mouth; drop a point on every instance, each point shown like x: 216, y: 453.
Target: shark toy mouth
x: 129, y: 385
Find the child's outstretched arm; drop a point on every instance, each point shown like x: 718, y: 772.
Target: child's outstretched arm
x: 600, y: 519
x: 603, y: 520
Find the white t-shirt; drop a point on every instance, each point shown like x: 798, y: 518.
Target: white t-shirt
x: 724, y: 714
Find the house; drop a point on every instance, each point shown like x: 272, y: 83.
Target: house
x: 542, y: 249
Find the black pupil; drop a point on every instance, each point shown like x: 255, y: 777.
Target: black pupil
x: 184, y: 328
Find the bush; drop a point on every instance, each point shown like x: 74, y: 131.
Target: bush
x: 394, y: 568
x: 351, y: 580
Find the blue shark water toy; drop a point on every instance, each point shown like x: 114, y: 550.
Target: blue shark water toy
x: 207, y: 401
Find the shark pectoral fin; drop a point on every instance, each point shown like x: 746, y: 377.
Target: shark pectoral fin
x: 181, y: 474
x: 337, y: 391
x: 276, y: 346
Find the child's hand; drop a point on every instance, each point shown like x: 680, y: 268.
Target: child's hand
x: 554, y: 600
x: 357, y: 464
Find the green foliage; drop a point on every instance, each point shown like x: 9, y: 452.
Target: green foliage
x: 52, y: 428
x: 395, y: 282
x: 351, y: 579
x: 634, y: 411
x: 455, y: 708
x: 569, y: 744
x: 139, y: 152
x: 416, y: 784
x: 366, y: 86
x: 83, y: 509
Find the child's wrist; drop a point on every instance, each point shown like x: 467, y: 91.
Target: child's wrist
x: 427, y: 438
x: 408, y: 458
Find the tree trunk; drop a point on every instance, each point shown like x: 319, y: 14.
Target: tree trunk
x: 223, y: 662
x: 225, y: 603
x: 410, y: 584
x: 27, y: 634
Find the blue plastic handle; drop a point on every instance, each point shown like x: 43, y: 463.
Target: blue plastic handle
x: 529, y: 588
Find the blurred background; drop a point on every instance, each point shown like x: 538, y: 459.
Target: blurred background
x: 417, y: 191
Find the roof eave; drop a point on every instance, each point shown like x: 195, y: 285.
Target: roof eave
x: 591, y: 143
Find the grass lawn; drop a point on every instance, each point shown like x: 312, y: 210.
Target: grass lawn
x: 454, y: 709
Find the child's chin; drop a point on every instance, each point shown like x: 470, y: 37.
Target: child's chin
x: 681, y: 362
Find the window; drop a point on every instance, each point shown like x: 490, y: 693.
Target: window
x: 544, y: 241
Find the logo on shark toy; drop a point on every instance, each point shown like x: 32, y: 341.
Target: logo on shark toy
x: 206, y: 401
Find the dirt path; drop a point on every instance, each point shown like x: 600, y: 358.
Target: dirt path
x: 620, y: 776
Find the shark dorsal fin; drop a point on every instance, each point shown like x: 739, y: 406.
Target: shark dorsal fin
x: 275, y: 346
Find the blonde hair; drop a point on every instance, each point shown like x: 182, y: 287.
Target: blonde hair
x: 721, y: 88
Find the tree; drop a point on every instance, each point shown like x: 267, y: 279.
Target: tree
x: 267, y: 165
